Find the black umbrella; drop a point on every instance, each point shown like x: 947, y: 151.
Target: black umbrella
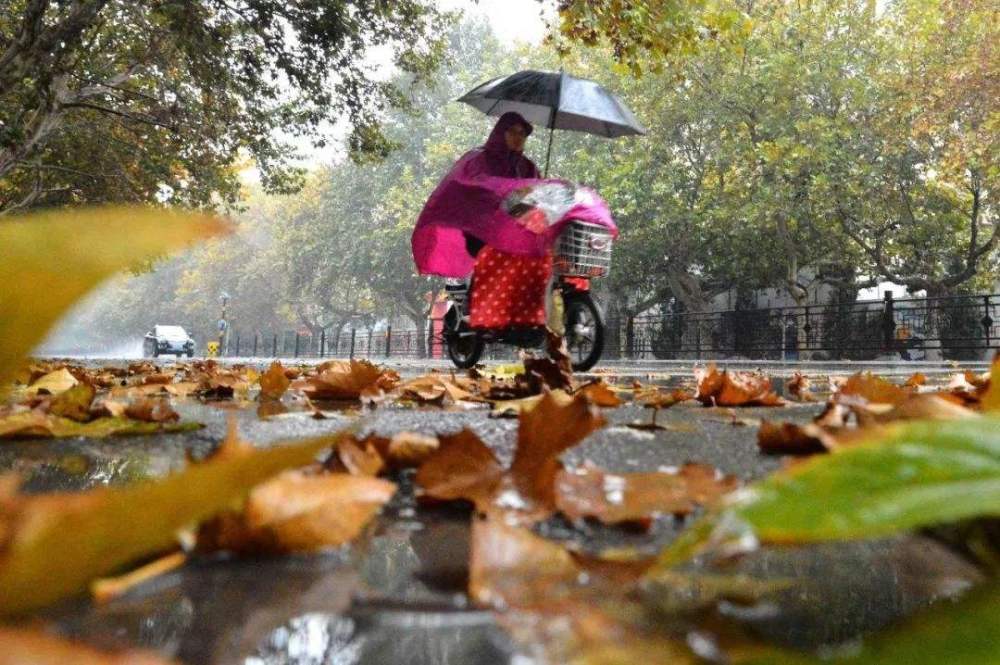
x: 558, y: 101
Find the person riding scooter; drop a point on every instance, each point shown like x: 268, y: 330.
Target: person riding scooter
x: 493, y: 213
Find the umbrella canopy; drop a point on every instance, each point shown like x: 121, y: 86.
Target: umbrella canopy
x: 558, y: 101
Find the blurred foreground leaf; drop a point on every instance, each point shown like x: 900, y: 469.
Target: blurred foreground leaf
x: 31, y: 646
x: 906, y: 476
x: 52, y: 258
x: 52, y: 545
x: 34, y: 424
x: 957, y: 633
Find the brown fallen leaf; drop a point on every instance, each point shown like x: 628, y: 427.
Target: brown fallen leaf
x: 874, y: 389
x: 655, y: 398
x: 74, y: 403
x: 273, y: 382
x: 58, y: 542
x: 298, y: 512
x: 525, y: 492
x: 627, y: 497
x: 408, y: 449
x: 152, y: 410
x: 734, y: 388
x: 916, y: 379
x: 462, y: 468
x: 25, y: 646
x: 600, y: 394
x: 357, y: 460
x: 161, y: 378
x: 543, y: 434
x: 794, y: 439
x: 433, y: 388
x: 511, y: 565
x: 347, y: 380
x: 798, y: 388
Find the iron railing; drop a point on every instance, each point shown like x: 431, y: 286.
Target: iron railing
x: 955, y: 327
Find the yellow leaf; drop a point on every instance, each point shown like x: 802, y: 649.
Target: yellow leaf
x: 57, y: 543
x: 53, y: 383
x: 52, y: 258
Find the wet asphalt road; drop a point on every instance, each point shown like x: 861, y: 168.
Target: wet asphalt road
x: 397, y: 594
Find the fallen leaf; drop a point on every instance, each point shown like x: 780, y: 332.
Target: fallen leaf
x: 509, y: 564
x: 107, y: 407
x: 512, y: 408
x: 734, y: 388
x: 59, y: 542
x: 360, y: 461
x: 600, y: 394
x: 916, y: 379
x: 654, y: 398
x: 53, y: 383
x: 298, y: 512
x: 407, y: 449
x: 24, y: 646
x: 793, y: 439
x: 152, y: 411
x: 33, y: 424
x: 462, y: 468
x: 273, y: 382
x: 625, y: 497
x: 74, y: 403
x: 798, y: 387
x: 543, y: 434
x: 347, y: 380
x: 874, y: 389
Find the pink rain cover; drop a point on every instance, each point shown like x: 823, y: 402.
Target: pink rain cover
x: 468, y: 201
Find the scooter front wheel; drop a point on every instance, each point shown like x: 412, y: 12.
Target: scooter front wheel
x: 465, y: 348
x: 584, y: 330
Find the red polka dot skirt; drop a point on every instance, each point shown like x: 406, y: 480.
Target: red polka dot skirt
x: 508, y: 290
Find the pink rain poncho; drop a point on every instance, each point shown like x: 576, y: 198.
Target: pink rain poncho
x: 468, y: 201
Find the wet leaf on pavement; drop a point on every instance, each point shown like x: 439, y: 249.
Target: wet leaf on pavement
x: 273, y: 382
x: 600, y: 394
x: 727, y: 388
x: 53, y: 383
x: 74, y: 403
x: 56, y: 543
x: 298, y: 512
x: 347, y: 380
x: 626, y: 497
x: 462, y: 468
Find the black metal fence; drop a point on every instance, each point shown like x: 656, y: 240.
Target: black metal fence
x: 957, y: 327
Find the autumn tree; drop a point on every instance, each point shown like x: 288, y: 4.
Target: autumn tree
x: 138, y: 101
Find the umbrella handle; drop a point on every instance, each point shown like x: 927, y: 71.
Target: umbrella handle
x: 552, y: 122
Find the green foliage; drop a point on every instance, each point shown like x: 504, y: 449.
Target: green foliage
x: 112, y: 100
x: 909, y: 476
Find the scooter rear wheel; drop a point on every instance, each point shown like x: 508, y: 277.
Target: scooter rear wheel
x: 465, y: 350
x: 584, y: 330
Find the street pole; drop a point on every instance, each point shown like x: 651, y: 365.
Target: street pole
x: 223, y: 323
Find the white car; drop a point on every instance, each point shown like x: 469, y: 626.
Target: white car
x: 167, y: 339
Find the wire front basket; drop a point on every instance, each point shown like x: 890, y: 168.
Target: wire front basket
x: 583, y: 250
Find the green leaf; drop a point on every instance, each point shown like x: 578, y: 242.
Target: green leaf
x: 52, y: 258
x: 56, y: 543
x: 912, y: 475
x: 962, y: 633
